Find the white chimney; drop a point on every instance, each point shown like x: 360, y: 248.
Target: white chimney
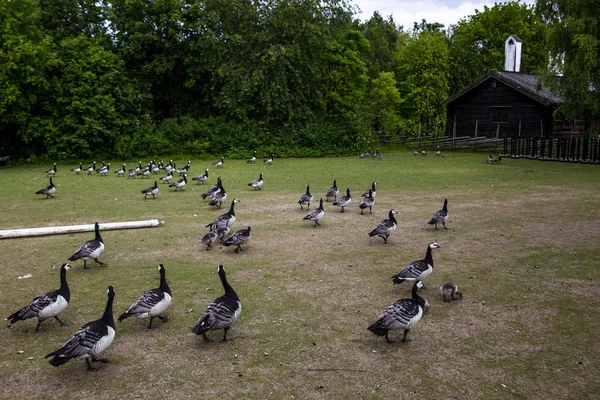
x: 512, y: 54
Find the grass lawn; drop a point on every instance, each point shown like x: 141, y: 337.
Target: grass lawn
x: 522, y: 244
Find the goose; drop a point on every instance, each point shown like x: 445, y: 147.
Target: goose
x: 269, y: 160
x: 424, y: 152
x: 91, y: 168
x: 48, y: 190
x: 155, y: 168
x: 227, y: 219
x: 121, y: 172
x: 402, y: 314
x: 52, y: 171
x: 201, y: 178
x: 209, y: 237
x: 78, y: 170
x: 169, y: 166
x: 221, y: 313
x: 490, y: 159
x: 186, y: 169
x: 135, y: 170
x: 104, y: 170
x: 145, y: 172
x: 450, y: 289
x: 380, y: 157
x: 372, y: 190
x: 151, y: 190
x: 219, y: 196
x: 222, y: 232
x: 415, y: 153
x: 438, y: 152
x: 180, y: 183
x: 152, y: 303
x: 419, y: 269
x: 167, y: 177
x: 367, y: 202
x: 316, y: 214
x: 90, y: 250
x: 90, y: 340
x: 257, y: 183
x: 344, y: 200
x: 332, y: 192
x: 214, y: 189
x: 103, y: 166
x: 252, y: 160
x: 238, y: 239
x: 386, y: 227
x: 48, y: 305
x: 219, y: 164
x: 440, y: 216
x: 306, y: 198
x: 375, y: 153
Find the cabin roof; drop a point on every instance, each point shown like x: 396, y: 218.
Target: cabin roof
x: 521, y: 82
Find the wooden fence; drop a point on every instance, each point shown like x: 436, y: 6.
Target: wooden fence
x: 581, y: 149
x: 445, y: 143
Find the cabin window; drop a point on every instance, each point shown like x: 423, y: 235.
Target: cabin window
x: 499, y: 114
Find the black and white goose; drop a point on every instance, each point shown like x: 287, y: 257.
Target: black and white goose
x: 372, y: 190
x: 180, y: 183
x: 332, y: 192
x: 419, y: 269
x: 343, y: 201
x: 450, y: 289
x: 367, y: 202
x: 269, y: 160
x: 316, y: 214
x: 306, y: 198
x: 153, y: 190
x: 49, y: 305
x: 90, y: 250
x: 257, y: 183
x: 186, y: 169
x: 91, y: 168
x: 121, y: 172
x: 104, y: 170
x: 386, y: 227
x: 215, y: 188
x: 219, y: 196
x: 227, y: 219
x: 221, y: 313
x: 219, y: 164
x: 252, y: 160
x: 145, y: 172
x: 51, y: 171
x: 48, y: 190
x: 440, y: 216
x: 402, y: 314
x: 201, y: 178
x: 102, y: 167
x: 155, y: 168
x: 78, y: 170
x: 90, y: 340
x: 238, y: 239
x: 167, y: 177
x: 152, y: 303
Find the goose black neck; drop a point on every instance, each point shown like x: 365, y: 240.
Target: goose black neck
x: 107, y: 317
x: 64, y: 286
x: 97, y: 231
x: 231, y: 209
x: 415, y: 295
x: 334, y: 184
x: 445, y: 208
x: 321, y: 205
x: 228, y: 289
x: 429, y: 256
x: 392, y: 218
x: 164, y: 286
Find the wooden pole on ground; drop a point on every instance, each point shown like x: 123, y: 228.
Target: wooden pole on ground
x: 59, y: 230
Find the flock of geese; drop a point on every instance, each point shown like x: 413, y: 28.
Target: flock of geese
x: 94, y: 337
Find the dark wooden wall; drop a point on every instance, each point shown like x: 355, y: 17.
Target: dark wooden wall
x: 475, y: 106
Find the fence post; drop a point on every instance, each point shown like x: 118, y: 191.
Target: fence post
x: 505, y: 146
x: 454, y: 132
x: 542, y: 148
x: 476, y: 124
x: 519, y: 126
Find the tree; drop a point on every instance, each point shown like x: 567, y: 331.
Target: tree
x: 384, y: 37
x: 574, y: 46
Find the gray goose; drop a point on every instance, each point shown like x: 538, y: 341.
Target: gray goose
x: 386, y: 227
x: 417, y: 270
x: 238, y: 239
x: 306, y: 198
x: 440, y: 216
x: 344, y: 200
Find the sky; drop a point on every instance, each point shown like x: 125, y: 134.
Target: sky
x: 406, y: 12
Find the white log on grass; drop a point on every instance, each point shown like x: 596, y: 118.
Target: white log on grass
x: 59, y: 230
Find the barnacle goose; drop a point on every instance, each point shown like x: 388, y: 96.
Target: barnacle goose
x: 332, y: 192
x: 90, y: 340
x: 151, y: 190
x: 91, y: 168
x: 367, y: 202
x: 440, y: 216
x: 152, y: 303
x: 219, y: 196
x: 306, y: 198
x: 227, y: 219
x: 104, y: 170
x: 167, y: 177
x: 221, y: 313
x: 103, y: 166
x: 121, y: 171
x: 219, y: 164
x: 269, y: 160
x: 209, y: 237
x: 185, y: 169
x: 180, y: 183
x: 78, y: 170
x: 316, y: 214
x: 52, y: 171
x: 222, y: 232
x: 372, y: 190
x: 201, y: 178
x: 214, y: 189
x: 257, y: 183
x: 386, y: 227
x: 238, y: 239
x: 48, y: 190
x: 402, y: 314
x: 419, y: 269
x: 450, y: 289
x: 47, y: 305
x: 344, y: 200
x: 90, y: 250
x: 252, y: 160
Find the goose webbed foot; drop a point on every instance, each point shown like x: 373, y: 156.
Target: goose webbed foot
x: 405, y: 338
x: 99, y: 262
x: 225, y: 339
x: 163, y: 319
x: 63, y: 323
x: 206, y: 338
x: 387, y: 339
x: 91, y: 367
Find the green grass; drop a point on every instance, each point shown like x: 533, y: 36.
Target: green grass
x: 522, y: 245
